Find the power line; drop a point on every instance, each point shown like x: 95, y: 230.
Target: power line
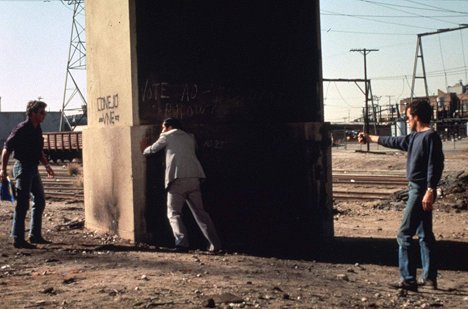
x: 435, y: 73
x: 341, y: 96
x: 391, y: 6
x: 418, y: 15
x: 435, y: 7
x: 391, y: 23
x: 370, y: 33
x: 331, y: 13
x: 442, y: 60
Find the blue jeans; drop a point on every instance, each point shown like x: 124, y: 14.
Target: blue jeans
x: 416, y: 221
x: 28, y: 183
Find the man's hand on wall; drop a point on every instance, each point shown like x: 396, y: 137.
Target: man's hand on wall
x: 144, y: 142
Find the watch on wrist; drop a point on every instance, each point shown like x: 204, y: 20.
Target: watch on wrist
x: 429, y: 189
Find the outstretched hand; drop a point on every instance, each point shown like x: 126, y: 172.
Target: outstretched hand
x: 362, y: 138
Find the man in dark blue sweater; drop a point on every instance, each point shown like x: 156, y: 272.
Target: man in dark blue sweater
x: 424, y: 168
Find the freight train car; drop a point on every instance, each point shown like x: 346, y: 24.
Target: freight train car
x: 63, y: 146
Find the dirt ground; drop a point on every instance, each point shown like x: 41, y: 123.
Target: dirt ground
x: 83, y: 270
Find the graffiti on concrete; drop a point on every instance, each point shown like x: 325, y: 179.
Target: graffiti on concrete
x: 208, y: 101
x: 179, y: 100
x: 215, y: 144
x: 107, y: 108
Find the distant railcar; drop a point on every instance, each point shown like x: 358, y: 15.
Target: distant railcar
x: 63, y: 146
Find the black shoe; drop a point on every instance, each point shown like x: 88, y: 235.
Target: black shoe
x: 406, y: 285
x: 179, y: 249
x: 215, y: 252
x: 38, y: 240
x: 428, y: 283
x: 22, y: 244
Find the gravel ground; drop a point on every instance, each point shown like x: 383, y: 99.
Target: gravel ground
x: 81, y: 269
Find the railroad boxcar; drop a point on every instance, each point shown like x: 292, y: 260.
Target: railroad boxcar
x: 63, y: 146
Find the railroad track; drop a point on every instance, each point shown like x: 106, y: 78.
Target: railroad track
x: 62, y: 187
x: 359, y: 195
x: 345, y: 186
x: 385, y: 180
x: 349, y: 186
x: 366, y: 187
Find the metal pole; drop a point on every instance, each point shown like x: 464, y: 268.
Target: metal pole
x: 366, y: 118
x: 366, y: 51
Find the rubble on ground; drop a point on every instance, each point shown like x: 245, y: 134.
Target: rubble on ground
x: 452, y: 194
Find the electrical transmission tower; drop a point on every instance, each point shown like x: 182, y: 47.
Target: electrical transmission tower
x: 419, y: 56
x: 74, y: 102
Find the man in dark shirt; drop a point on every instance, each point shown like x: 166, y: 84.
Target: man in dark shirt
x: 27, y: 144
x: 424, y: 167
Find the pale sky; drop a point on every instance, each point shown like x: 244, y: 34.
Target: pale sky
x: 34, y: 44
x: 391, y: 26
x: 35, y: 38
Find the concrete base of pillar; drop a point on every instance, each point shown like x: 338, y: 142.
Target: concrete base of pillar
x: 114, y: 179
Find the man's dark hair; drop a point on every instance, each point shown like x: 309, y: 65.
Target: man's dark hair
x: 172, y: 122
x: 34, y: 106
x: 422, y: 109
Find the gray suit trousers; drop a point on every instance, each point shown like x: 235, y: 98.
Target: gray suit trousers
x: 183, y: 190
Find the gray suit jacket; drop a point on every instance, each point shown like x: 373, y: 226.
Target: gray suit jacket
x: 181, y: 160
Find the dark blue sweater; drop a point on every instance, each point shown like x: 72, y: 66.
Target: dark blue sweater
x: 26, y: 141
x: 425, y: 161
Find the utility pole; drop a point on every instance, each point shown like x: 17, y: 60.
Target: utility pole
x: 376, y: 98
x: 390, y: 108
x: 364, y: 52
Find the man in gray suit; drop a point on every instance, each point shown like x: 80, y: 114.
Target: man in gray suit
x: 182, y: 181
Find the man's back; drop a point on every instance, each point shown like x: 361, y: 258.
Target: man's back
x: 181, y: 160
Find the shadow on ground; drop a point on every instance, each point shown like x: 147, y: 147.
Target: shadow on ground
x: 451, y: 255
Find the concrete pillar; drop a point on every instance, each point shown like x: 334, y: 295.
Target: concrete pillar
x: 245, y: 78
x: 114, y: 185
